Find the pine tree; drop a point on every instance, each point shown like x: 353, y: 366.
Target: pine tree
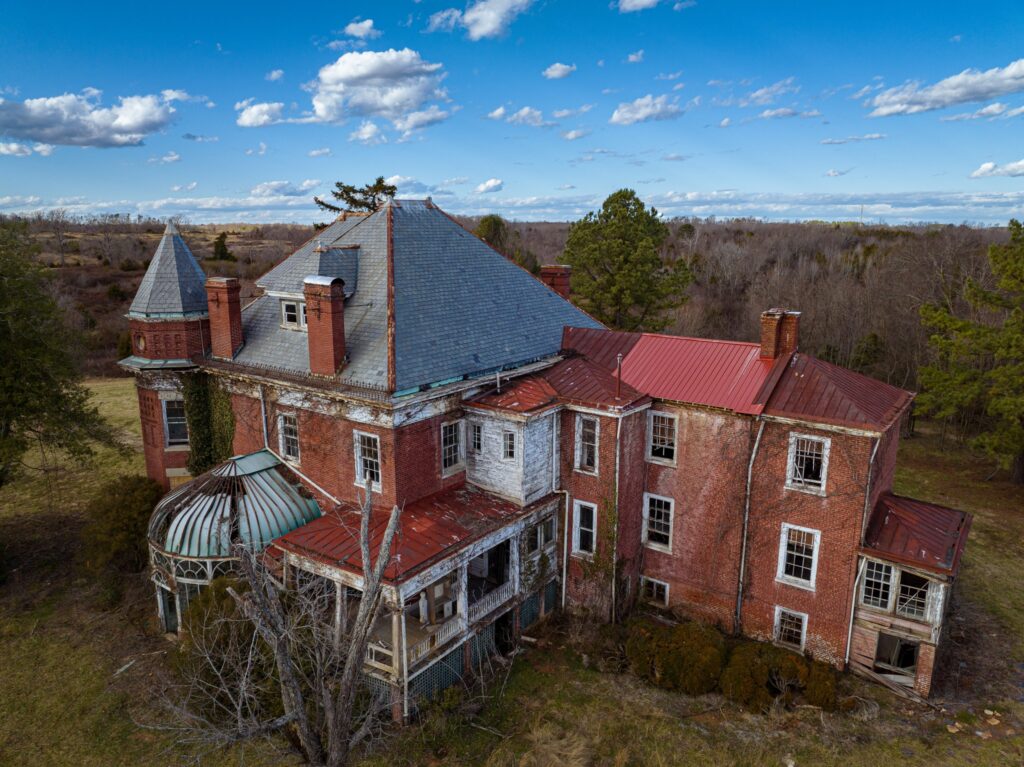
x: 978, y: 375
x: 368, y: 197
x: 495, y: 231
x: 220, y: 248
x: 618, y: 272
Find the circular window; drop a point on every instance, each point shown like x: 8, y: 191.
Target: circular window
x: 140, y: 342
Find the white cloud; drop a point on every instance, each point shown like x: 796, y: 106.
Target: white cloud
x: 630, y: 6
x: 567, y: 187
x: 968, y: 86
x: 785, y: 112
x: 725, y: 123
x: 260, y: 150
x: 362, y: 29
x: 675, y: 157
x: 561, y: 114
x: 644, y: 109
x: 256, y: 115
x: 321, y: 152
x: 635, y: 57
x: 527, y: 116
x: 991, y: 111
x: 455, y: 181
x: 43, y: 149
x: 853, y: 139
x: 496, y: 114
x: 669, y: 75
x: 167, y: 159
x: 444, y: 21
x: 558, y: 70
x: 484, y: 18
x: 989, y: 169
x: 185, y: 187
x: 572, y: 135
x: 833, y: 173
x: 284, y: 188
x: 199, y: 139
x: 367, y: 133
x: 14, y: 149
x: 490, y: 185
x: 77, y: 119
x: 274, y: 75
x: 768, y: 94
x: 414, y: 121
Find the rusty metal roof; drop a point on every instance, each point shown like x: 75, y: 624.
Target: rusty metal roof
x: 815, y: 390
x: 917, y: 533
x: 430, y: 530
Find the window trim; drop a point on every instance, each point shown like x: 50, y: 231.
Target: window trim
x: 864, y: 583
x: 902, y: 613
x: 167, y: 431
x: 535, y: 533
x: 476, y: 437
x: 460, y: 461
x: 650, y: 438
x: 648, y: 497
x: 780, y: 571
x: 505, y: 434
x: 576, y: 551
x: 578, y: 452
x: 779, y: 609
x: 300, y: 314
x: 791, y: 463
x: 280, y: 438
x: 357, y: 453
x: 644, y: 580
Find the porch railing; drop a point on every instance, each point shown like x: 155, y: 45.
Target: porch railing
x: 439, y: 638
x: 491, y: 600
x: 379, y: 657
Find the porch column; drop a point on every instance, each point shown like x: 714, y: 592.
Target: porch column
x: 463, y: 597
x: 340, y: 613
x: 513, y: 562
x: 396, y: 644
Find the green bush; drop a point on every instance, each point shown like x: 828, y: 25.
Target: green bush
x: 758, y: 673
x: 687, y: 657
x: 821, y: 686
x: 116, y: 293
x: 124, y: 345
x: 115, y: 536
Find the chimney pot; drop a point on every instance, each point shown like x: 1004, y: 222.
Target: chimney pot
x: 325, y: 323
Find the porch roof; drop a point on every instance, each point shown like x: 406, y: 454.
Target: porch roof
x: 430, y: 530
x: 917, y: 533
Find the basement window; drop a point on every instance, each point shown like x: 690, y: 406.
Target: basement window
x: 807, y: 466
x: 657, y: 530
x: 175, y: 423
x: 508, y: 445
x: 661, y: 438
x: 367, y: 448
x: 912, y: 599
x: 584, y: 532
x: 798, y: 556
x: 587, y: 431
x: 790, y: 628
x: 288, y: 426
x: 654, y: 592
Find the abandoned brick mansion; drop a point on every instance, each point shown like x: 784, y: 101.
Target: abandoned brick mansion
x: 541, y: 461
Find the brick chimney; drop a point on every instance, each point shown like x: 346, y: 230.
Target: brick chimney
x: 325, y: 323
x: 224, y: 300
x: 780, y: 333
x: 556, y: 277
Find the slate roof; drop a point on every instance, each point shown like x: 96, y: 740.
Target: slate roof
x: 460, y: 309
x: 917, y: 533
x: 173, y: 285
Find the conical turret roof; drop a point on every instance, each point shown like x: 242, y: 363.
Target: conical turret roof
x: 174, y: 285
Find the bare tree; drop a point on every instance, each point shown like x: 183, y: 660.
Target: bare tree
x: 57, y: 222
x: 287, y: 646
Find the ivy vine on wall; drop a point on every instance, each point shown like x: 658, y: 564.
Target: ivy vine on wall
x: 211, y: 422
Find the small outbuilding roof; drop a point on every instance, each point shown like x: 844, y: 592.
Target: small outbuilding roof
x: 249, y: 500
x: 917, y: 533
x: 174, y: 283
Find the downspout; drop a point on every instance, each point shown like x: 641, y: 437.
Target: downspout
x: 405, y: 661
x: 565, y: 548
x: 263, y: 419
x: 746, y: 526
x: 853, y: 606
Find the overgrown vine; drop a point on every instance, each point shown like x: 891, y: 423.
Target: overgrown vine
x: 211, y: 422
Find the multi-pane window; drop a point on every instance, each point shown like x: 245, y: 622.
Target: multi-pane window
x: 877, y: 590
x: 586, y: 444
x: 540, y: 535
x: 475, y: 437
x: 912, y: 599
x: 367, y: 459
x: 658, y: 521
x: 808, y: 463
x: 655, y: 592
x: 293, y: 313
x: 177, y: 425
x: 508, y: 445
x: 789, y: 628
x: 289, y: 426
x: 797, y: 551
x: 584, y: 539
x: 662, y: 445
x: 451, y: 445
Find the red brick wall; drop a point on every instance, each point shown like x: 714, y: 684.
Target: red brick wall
x: 837, y: 516
x: 158, y: 458
x: 708, y: 484
x: 632, y: 446
x: 417, y: 451
x: 170, y: 339
x: 885, y: 463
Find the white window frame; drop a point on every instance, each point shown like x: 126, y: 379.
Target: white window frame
x: 779, y: 609
x: 576, y: 552
x: 167, y: 429
x: 505, y: 434
x: 864, y: 584
x: 476, y: 437
x: 281, y: 441
x: 300, y: 313
x: 535, y: 535
x: 357, y: 452
x: 648, y: 497
x: 644, y: 580
x: 929, y: 588
x: 780, y: 572
x: 651, y: 458
x: 791, y: 463
x: 460, y: 461
x: 577, y: 464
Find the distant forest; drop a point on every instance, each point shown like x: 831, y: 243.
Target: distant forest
x: 860, y: 288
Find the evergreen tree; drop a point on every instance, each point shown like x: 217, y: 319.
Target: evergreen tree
x: 978, y: 375
x: 42, y: 399
x: 495, y: 231
x: 220, y: 248
x: 618, y: 272
x: 368, y: 197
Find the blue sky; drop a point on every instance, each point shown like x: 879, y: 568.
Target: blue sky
x: 535, y: 110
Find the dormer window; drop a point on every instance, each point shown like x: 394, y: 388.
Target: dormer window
x: 293, y: 314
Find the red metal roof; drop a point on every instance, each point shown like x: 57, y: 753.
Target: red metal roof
x: 430, y: 530
x: 815, y: 390
x: 917, y: 533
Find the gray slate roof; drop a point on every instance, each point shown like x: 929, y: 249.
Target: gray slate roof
x: 461, y: 308
x: 173, y: 285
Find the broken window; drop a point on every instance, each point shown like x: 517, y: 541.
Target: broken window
x: 451, y: 445
x: 798, y: 550
x: 789, y: 628
x: 912, y: 599
x: 367, y: 459
x: 662, y: 445
x: 540, y: 535
x: 655, y: 592
x: 877, y: 591
x: 175, y: 422
x: 508, y: 445
x: 585, y: 528
x: 894, y: 655
x: 586, y: 444
x: 808, y: 463
x: 289, y: 428
x: 658, y: 521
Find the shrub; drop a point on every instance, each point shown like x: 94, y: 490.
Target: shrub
x: 115, y: 535
x: 687, y: 657
x: 129, y: 265
x: 758, y: 673
x: 116, y: 293
x: 821, y: 686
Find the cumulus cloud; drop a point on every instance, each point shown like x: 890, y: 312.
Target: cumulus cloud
x: 259, y: 150
x: 630, y: 6
x: 496, y: 114
x: 185, y: 187
x: 490, y: 185
x: 167, y: 159
x: 968, y: 86
x: 284, y: 188
x: 274, y: 75
x: 367, y: 133
x: 635, y: 57
x: 561, y: 114
x: 527, y: 116
x: 252, y: 114
x: 321, y: 152
x: 769, y: 93
x: 557, y: 71
x: 16, y: 149
x: 725, y: 123
x: 854, y: 139
x: 990, y: 111
x: 418, y: 120
x: 482, y: 19
x: 989, y: 169
x: 644, y: 109
x: 573, y: 135
x: 78, y: 119
x: 362, y: 29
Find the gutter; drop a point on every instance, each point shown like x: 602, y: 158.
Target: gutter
x: 746, y: 526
